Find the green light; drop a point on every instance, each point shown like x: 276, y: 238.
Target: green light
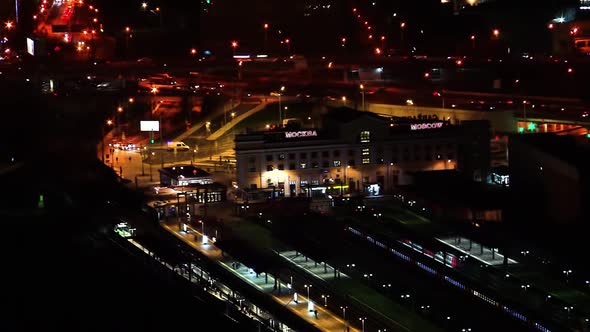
x: 588, y: 135
x: 532, y: 126
x: 152, y: 141
x: 521, y: 129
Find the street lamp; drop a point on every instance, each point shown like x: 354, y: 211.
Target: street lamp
x: 567, y: 274
x: 325, y: 297
x: 307, y: 287
x: 472, y: 41
x: 118, y: 120
x: 362, y: 319
x: 368, y: 276
x: 127, y: 31
x: 362, y: 87
x: 234, y: 45
x: 265, y: 35
x: 402, y: 26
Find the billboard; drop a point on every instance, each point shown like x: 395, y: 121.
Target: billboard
x: 149, y: 125
x: 30, y: 46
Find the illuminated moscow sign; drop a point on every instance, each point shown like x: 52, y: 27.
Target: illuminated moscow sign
x: 420, y: 126
x: 303, y: 133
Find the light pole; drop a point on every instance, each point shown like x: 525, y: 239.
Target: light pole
x: 288, y: 42
x: 307, y: 287
x: 325, y: 297
x: 567, y: 275
x: 524, y: 110
x: 568, y: 309
x: 362, y: 319
x: 472, y: 41
x: 362, y: 87
x: 402, y: 26
x: 127, y: 31
x: 265, y: 36
x: 234, y: 45
x: 150, y: 159
x: 118, y: 119
x: 344, y: 317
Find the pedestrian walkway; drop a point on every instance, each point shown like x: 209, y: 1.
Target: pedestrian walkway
x: 489, y: 256
x: 323, y: 319
x: 319, y: 270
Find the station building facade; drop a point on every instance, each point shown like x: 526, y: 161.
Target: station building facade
x: 358, y: 152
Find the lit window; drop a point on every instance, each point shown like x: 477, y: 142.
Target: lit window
x: 366, y: 152
x: 337, y: 163
x: 303, y: 165
x: 366, y: 161
x: 365, y: 136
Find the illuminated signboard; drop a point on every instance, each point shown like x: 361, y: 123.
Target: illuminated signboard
x: 303, y: 133
x: 149, y: 125
x: 420, y: 126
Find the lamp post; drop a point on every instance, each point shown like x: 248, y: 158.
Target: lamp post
x: 234, y: 45
x: 127, y: 31
x: 307, y: 287
x: 567, y: 275
x: 325, y: 297
x: 118, y: 120
x: 150, y: 160
x: 265, y: 36
x: 402, y: 26
x: 344, y: 317
x: 472, y: 41
x: 362, y: 87
x: 362, y: 319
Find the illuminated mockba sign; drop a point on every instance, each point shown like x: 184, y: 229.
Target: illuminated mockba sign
x: 304, y: 133
x: 420, y: 126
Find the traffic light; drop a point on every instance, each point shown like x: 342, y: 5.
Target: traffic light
x: 521, y: 129
x: 152, y: 141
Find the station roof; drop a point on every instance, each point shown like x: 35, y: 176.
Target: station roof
x: 185, y: 171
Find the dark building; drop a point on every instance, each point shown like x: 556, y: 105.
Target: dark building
x: 549, y: 178
x: 309, y: 25
x: 161, y: 28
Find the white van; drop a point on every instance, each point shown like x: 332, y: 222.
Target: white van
x: 178, y: 146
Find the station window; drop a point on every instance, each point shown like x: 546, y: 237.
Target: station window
x: 281, y: 167
x: 365, y: 136
x: 325, y: 164
x: 269, y: 157
x: 336, y: 153
x: 269, y: 168
x: 303, y: 155
x: 314, y: 154
x: 281, y: 156
x: 325, y: 154
x: 292, y: 156
x: 337, y: 163
x: 292, y: 166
